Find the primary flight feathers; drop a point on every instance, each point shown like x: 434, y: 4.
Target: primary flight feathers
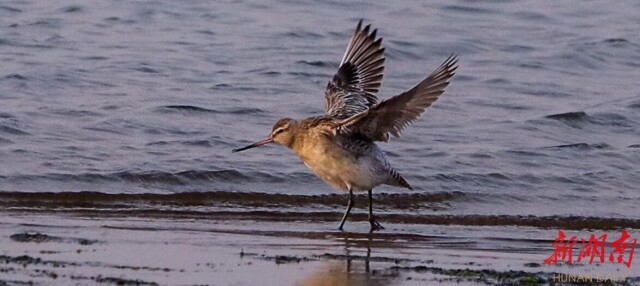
x: 394, y: 114
x: 353, y: 88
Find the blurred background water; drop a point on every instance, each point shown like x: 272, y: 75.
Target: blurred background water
x: 118, y: 98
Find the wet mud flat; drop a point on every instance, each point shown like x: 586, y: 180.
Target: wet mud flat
x: 88, y: 247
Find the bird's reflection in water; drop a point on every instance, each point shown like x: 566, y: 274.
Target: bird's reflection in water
x: 351, y: 268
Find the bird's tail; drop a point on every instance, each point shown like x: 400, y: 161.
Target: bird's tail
x: 395, y: 179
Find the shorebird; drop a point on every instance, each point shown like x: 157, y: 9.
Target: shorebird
x: 339, y: 146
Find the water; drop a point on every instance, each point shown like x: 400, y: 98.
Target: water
x: 138, y: 105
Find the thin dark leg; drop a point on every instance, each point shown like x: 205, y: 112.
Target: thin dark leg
x: 346, y: 213
x: 375, y: 225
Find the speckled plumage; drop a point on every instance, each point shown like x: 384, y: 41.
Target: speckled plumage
x: 345, y: 160
x: 339, y: 147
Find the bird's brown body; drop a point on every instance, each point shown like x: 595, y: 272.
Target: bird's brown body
x: 342, y: 160
x: 339, y: 147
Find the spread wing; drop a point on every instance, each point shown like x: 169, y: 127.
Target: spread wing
x: 353, y: 88
x: 394, y: 114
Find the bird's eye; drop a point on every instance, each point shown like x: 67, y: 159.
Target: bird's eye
x: 279, y: 131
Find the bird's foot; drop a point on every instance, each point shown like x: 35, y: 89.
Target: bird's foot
x: 375, y: 225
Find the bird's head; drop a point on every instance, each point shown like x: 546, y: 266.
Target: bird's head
x: 282, y: 133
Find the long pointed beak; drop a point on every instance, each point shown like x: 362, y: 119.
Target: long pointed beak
x: 259, y: 143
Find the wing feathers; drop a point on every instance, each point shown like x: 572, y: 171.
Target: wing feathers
x: 359, y: 76
x: 391, y: 116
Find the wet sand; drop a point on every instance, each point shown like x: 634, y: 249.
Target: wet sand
x: 76, y: 247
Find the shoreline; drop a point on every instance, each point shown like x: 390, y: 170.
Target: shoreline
x: 50, y: 248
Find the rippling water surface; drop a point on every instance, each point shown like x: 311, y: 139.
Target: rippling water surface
x: 135, y: 102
